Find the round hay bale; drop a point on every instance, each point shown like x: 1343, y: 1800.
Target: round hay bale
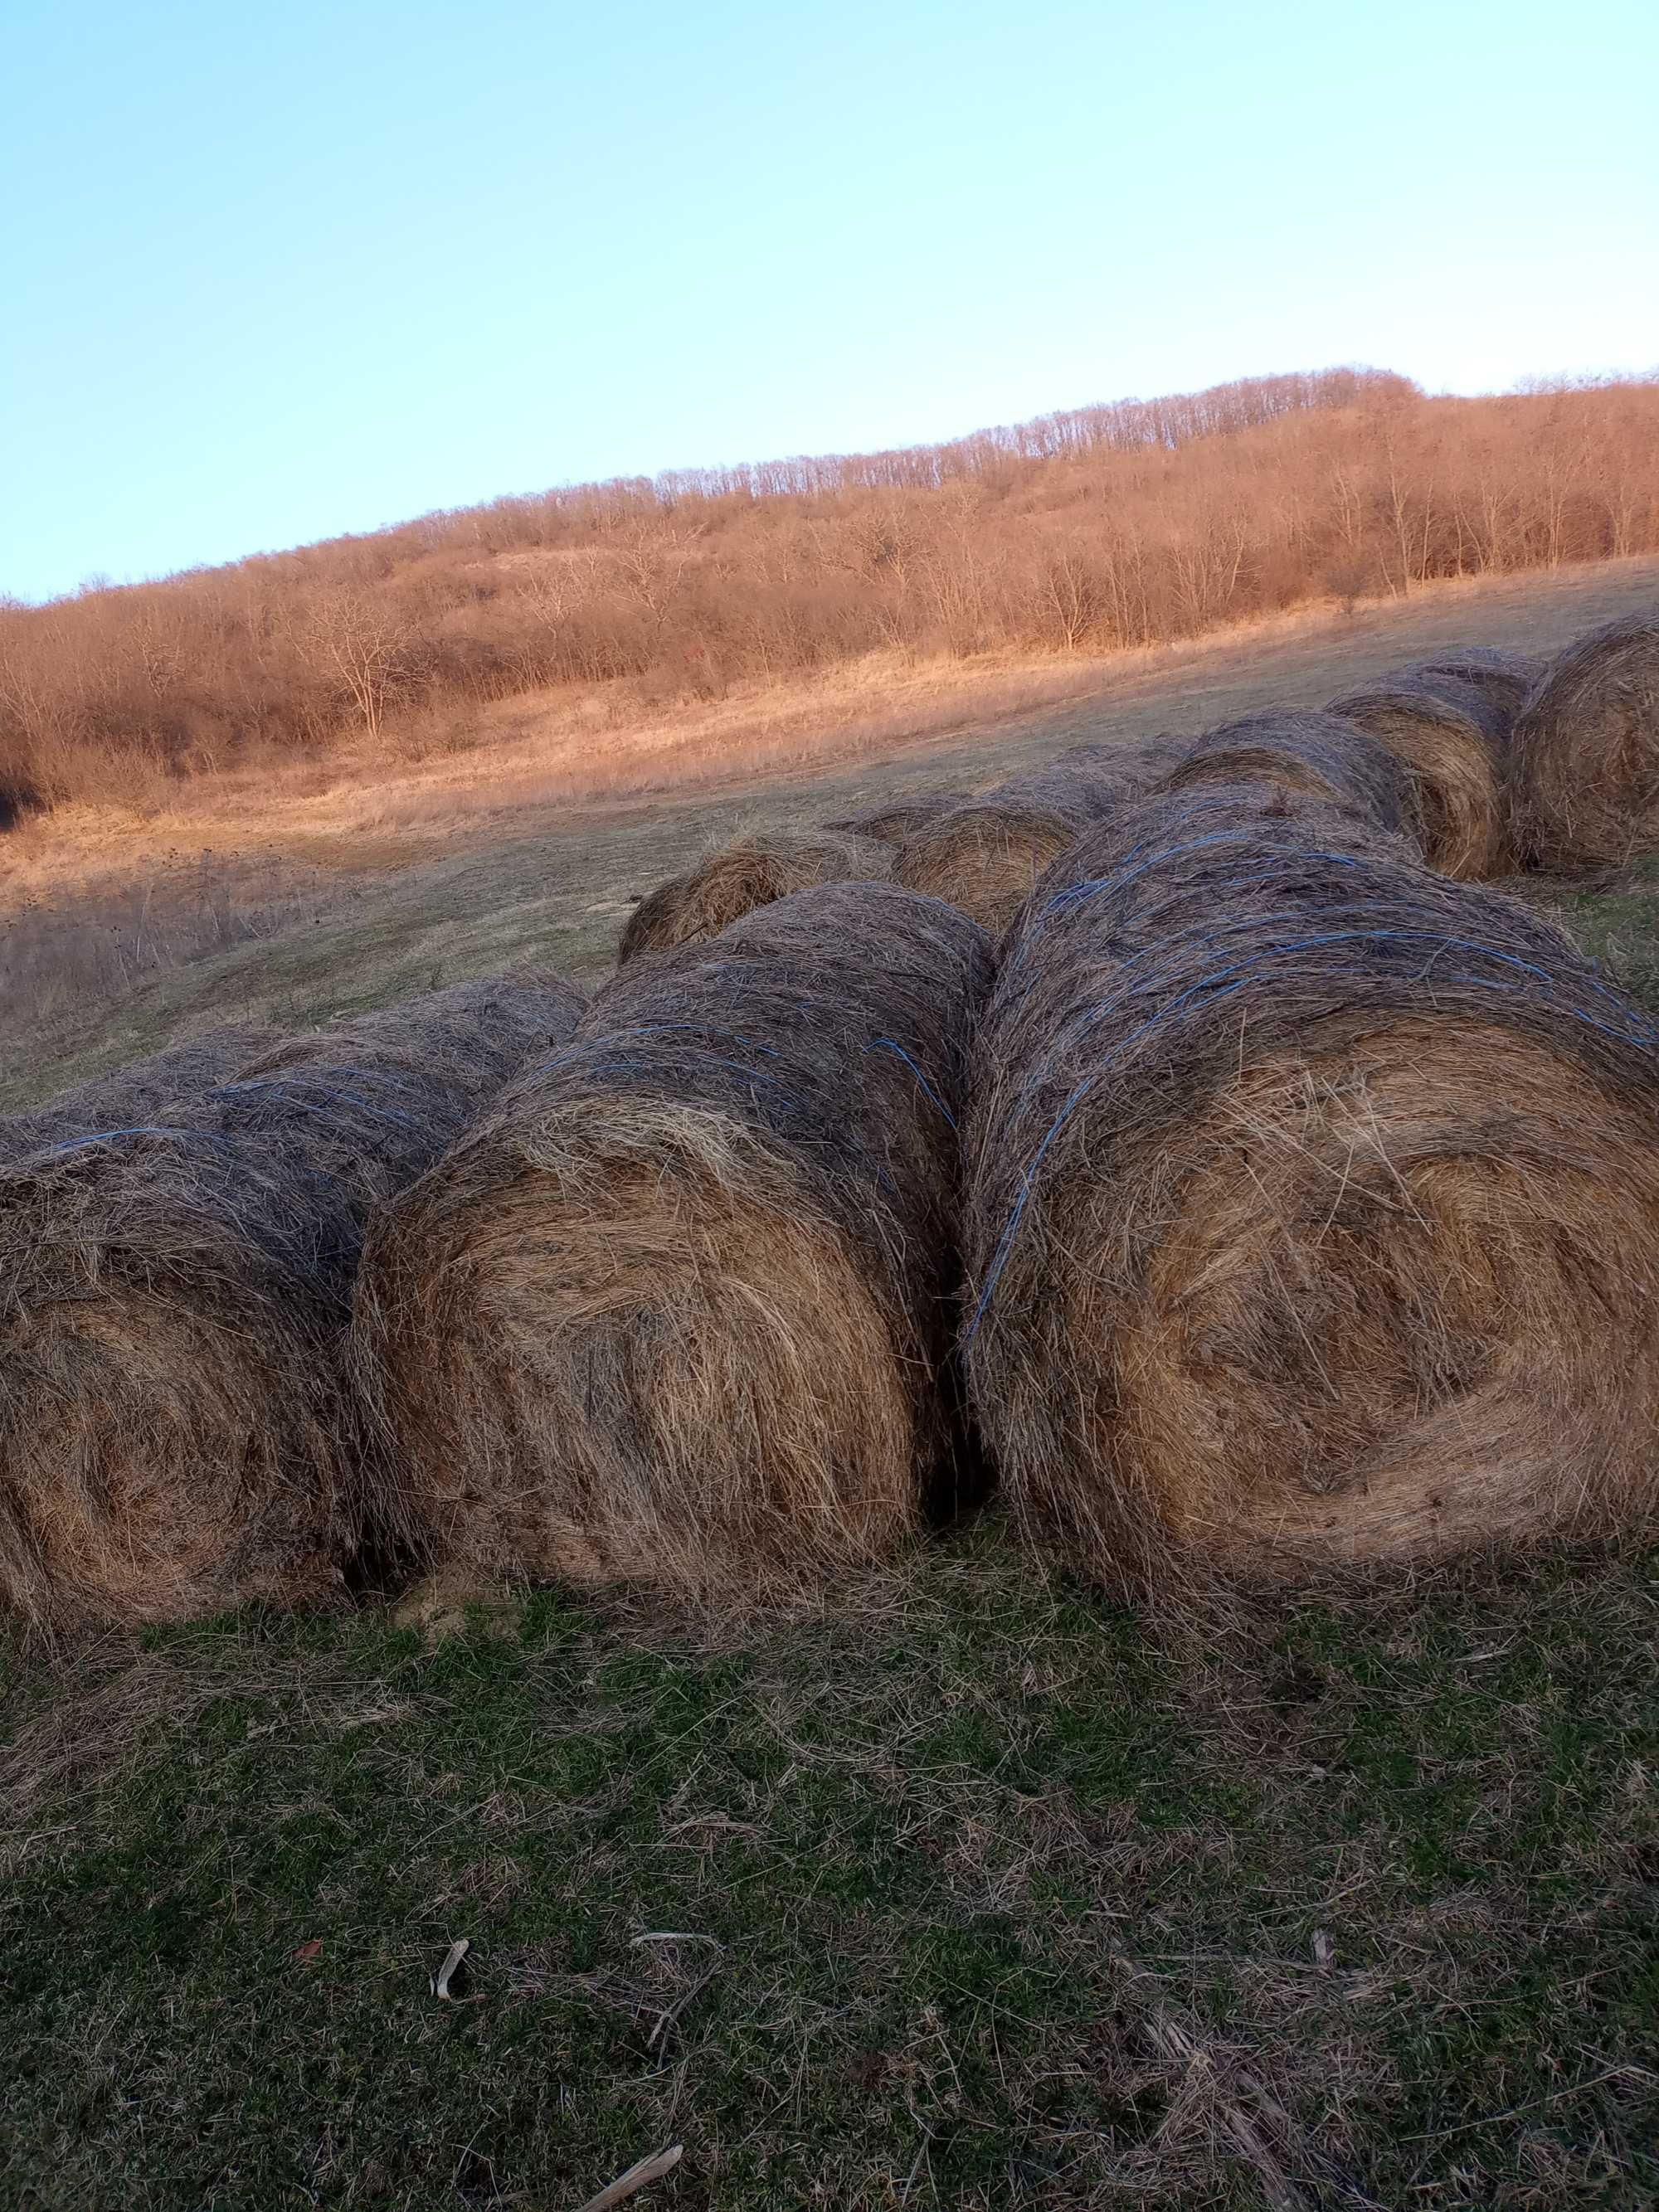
x: 1504, y: 679
x: 748, y: 873
x: 1098, y: 778
x: 1295, y: 748
x: 1116, y: 772
x: 892, y: 821
x: 680, y: 1309
x: 986, y: 855
x: 1585, y: 763
x: 133, y: 1093
x: 1312, y: 1214
x: 1450, y: 740
x: 174, y: 1433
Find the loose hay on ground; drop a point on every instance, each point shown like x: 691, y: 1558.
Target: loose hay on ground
x: 1312, y: 1214
x: 1451, y: 741
x: 749, y: 873
x: 680, y: 1309
x: 134, y: 1092
x: 1586, y: 751
x: 172, y: 1304
x: 1303, y: 751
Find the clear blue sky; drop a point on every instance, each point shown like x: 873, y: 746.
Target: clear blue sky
x: 277, y: 271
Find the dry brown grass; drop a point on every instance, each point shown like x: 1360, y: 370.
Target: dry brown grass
x: 678, y: 1310
x: 175, y: 1434
x: 1313, y: 1209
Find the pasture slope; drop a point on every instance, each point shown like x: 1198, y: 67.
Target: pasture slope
x: 966, y: 1889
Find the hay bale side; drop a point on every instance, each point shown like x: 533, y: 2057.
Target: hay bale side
x: 892, y: 821
x: 749, y: 873
x: 1312, y: 1214
x: 173, y: 1432
x: 1585, y: 764
x: 680, y: 1309
x: 1451, y: 741
x: 986, y: 855
x: 134, y: 1093
x: 1505, y: 679
x: 1302, y: 752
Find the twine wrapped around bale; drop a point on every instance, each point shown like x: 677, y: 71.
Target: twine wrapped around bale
x: 892, y: 821
x: 1505, y: 679
x: 134, y: 1092
x: 1450, y: 739
x: 986, y: 854
x: 749, y: 873
x: 1586, y: 769
x: 174, y: 1297
x: 680, y: 1309
x: 1300, y: 749
x: 1312, y: 1214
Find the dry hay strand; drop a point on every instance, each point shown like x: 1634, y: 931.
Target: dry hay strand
x: 133, y: 1093
x: 1586, y: 751
x: 1302, y: 750
x: 1312, y: 1215
x: 1450, y: 740
x: 174, y: 1437
x: 680, y: 1309
x: 892, y: 821
x: 1505, y: 679
x: 751, y: 872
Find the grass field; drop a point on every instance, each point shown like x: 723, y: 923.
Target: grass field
x: 969, y: 1890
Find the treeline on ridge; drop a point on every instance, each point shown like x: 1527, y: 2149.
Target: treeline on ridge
x: 1088, y: 531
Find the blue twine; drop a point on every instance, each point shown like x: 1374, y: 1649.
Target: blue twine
x: 1128, y: 872
x: 289, y: 1084
x: 887, y: 1044
x: 139, y: 1129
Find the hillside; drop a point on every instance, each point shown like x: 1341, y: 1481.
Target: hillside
x: 294, y: 903
x: 1076, y: 536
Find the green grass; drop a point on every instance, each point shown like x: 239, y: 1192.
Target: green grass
x: 1617, y: 923
x: 1000, y: 1900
